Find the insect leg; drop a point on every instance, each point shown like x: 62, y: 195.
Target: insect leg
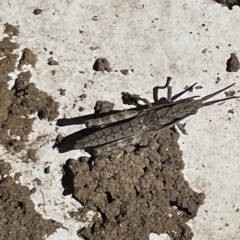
x: 181, y: 127
x: 132, y: 99
x: 169, y: 88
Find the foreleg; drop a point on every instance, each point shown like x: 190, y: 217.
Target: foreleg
x: 169, y: 91
x: 132, y: 99
x: 170, y: 98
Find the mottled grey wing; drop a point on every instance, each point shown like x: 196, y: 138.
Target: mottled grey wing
x: 112, y: 133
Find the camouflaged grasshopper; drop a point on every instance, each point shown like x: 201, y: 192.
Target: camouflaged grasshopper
x: 130, y: 127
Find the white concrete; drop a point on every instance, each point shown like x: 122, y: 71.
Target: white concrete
x: 153, y: 38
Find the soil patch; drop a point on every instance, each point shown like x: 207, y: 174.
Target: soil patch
x: 18, y: 218
x: 101, y: 64
x: 233, y: 63
x: 23, y: 99
x: 134, y: 193
x: 229, y: 3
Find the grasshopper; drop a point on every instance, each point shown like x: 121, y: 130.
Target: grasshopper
x: 130, y: 127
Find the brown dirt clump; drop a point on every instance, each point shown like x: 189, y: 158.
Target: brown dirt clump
x: 28, y: 57
x: 11, y: 30
x: 134, y: 193
x: 229, y: 3
x: 233, y: 63
x: 18, y: 218
x: 4, y: 169
x: 23, y: 99
x: 101, y: 64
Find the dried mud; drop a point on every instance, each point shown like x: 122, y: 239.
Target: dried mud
x: 101, y: 64
x: 134, y: 193
x: 229, y: 3
x: 233, y: 64
x: 18, y: 218
x: 23, y: 99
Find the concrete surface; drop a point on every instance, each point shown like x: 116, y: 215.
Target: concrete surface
x: 157, y: 39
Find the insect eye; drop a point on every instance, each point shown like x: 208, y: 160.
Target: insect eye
x: 162, y: 100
